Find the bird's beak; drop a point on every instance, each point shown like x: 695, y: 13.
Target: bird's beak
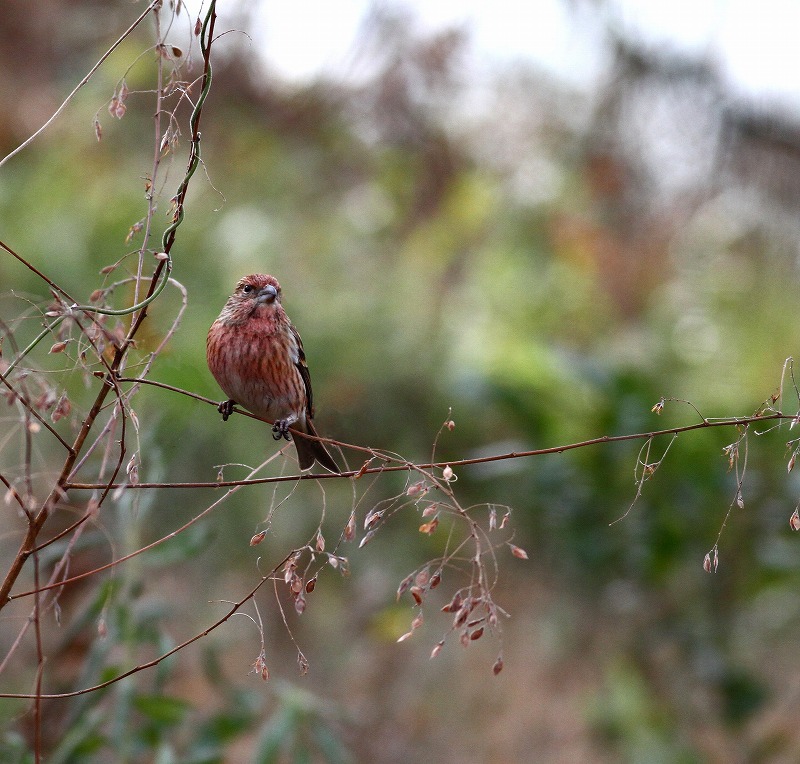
x: 267, y: 294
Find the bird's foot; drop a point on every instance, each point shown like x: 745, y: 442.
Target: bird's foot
x: 226, y: 409
x: 281, y: 429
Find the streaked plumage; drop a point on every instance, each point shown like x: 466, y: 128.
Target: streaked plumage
x: 257, y: 357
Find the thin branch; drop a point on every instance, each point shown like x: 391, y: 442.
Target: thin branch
x: 59, y: 569
x: 37, y: 625
x: 28, y: 543
x: 150, y: 664
x: 145, y: 548
x: 86, y: 79
x: 52, y: 284
x: 12, y: 492
x: 407, y: 466
x: 29, y: 407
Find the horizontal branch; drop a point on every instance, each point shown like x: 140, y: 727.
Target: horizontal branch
x: 406, y: 466
x: 673, y: 431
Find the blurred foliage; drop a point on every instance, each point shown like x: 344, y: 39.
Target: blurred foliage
x: 548, y: 262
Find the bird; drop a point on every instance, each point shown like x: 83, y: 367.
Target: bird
x: 257, y: 358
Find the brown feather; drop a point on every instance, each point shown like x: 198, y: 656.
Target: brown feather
x: 257, y: 357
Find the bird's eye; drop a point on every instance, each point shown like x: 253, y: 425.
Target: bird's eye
x: 247, y: 288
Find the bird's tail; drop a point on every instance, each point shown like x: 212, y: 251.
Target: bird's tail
x: 309, y: 451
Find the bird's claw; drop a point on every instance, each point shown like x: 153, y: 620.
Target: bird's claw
x: 226, y: 409
x: 281, y: 429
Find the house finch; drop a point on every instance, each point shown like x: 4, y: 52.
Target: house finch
x: 257, y: 357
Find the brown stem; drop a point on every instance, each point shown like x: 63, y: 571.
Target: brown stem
x: 235, y: 607
x: 406, y: 466
x: 38, y: 520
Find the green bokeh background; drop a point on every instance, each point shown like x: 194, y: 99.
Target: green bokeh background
x: 526, y: 265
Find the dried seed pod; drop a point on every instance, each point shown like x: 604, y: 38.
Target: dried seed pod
x: 454, y: 604
x: 133, y: 230
x: 350, y: 528
x: 711, y: 561
x: 461, y: 616
x: 260, y: 666
x: 794, y: 521
x: 368, y: 536
x: 258, y: 538
x: 372, y: 519
x: 404, y: 584
x: 302, y: 663
x: 415, y: 488
x: 116, y: 108
x: 431, y: 509
x: 62, y: 409
x: 429, y: 527
x: 132, y: 469
x: 45, y: 401
x: 290, y: 566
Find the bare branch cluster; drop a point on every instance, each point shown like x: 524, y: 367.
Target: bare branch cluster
x: 97, y: 449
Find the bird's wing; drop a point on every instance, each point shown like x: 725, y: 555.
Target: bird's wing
x: 302, y: 367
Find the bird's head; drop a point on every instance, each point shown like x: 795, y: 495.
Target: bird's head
x: 258, y: 290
